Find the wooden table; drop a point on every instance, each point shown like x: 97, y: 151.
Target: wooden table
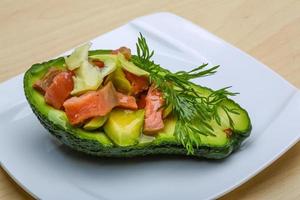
x: 32, y: 31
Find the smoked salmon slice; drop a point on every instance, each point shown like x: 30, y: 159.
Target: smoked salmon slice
x: 127, y: 102
x: 141, y: 101
x: 59, y: 90
x: 42, y: 84
x: 96, y: 103
x: 98, y: 63
x: 91, y: 104
x: 138, y: 83
x: 153, y: 111
x: 123, y: 50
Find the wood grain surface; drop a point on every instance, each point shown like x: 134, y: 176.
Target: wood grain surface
x: 34, y: 30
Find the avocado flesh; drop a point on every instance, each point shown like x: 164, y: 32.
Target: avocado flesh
x: 95, y: 123
x: 124, y: 127
x: 122, y: 62
x: 169, y: 128
x: 120, y: 81
x: 131, y: 67
x: 97, y: 143
x: 167, y: 111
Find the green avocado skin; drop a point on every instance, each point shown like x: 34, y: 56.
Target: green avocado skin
x: 69, y: 136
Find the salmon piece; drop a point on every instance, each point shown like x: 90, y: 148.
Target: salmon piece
x: 91, y: 104
x: 141, y: 101
x: 59, y: 90
x: 123, y: 50
x: 153, y: 112
x: 97, y: 63
x: 42, y: 84
x: 138, y: 83
x: 97, y: 103
x: 126, y: 101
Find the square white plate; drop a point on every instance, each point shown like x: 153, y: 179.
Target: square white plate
x: 48, y: 170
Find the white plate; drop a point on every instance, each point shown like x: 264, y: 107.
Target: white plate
x: 49, y: 170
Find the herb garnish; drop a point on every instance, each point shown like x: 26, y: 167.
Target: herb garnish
x: 192, y: 109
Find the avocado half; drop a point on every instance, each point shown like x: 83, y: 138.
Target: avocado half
x: 98, y: 143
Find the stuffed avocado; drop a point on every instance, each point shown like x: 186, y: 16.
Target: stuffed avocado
x: 115, y: 104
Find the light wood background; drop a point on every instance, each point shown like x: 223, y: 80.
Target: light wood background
x: 32, y: 31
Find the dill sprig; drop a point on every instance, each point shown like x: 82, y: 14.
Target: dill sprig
x: 192, y: 109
